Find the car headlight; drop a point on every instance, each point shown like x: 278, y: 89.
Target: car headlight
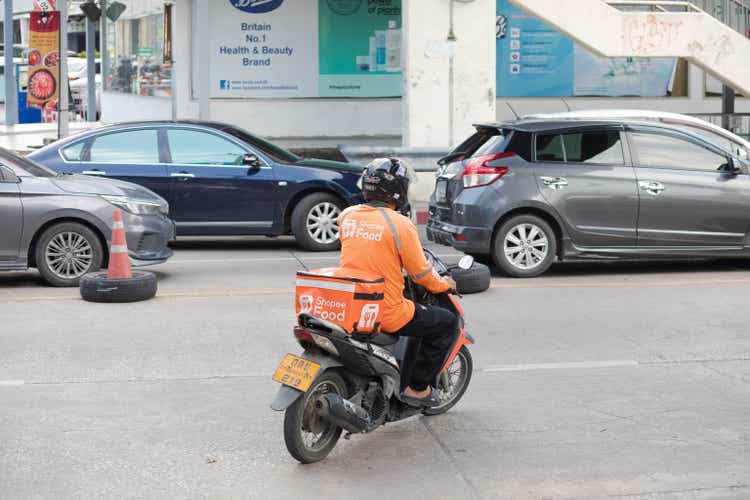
x: 138, y: 207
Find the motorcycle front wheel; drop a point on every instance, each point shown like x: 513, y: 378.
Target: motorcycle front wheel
x: 308, y: 437
x: 453, y: 382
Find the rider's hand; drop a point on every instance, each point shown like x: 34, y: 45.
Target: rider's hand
x: 451, y: 282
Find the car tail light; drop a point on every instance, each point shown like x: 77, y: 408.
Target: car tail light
x: 478, y: 173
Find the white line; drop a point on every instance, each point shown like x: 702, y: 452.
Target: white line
x: 11, y: 383
x: 582, y: 365
x: 303, y: 258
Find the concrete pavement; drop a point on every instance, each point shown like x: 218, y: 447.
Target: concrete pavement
x: 593, y: 381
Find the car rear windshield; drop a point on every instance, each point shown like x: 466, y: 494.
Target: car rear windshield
x: 25, y: 167
x: 490, y: 140
x: 273, y: 151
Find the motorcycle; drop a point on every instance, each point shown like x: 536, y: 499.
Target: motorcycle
x: 352, y: 382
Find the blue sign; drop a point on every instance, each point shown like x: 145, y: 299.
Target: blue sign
x: 534, y: 60
x: 256, y: 6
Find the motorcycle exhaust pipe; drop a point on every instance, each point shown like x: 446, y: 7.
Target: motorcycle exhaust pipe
x: 345, y: 414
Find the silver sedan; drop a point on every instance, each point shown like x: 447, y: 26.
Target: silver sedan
x: 61, y: 224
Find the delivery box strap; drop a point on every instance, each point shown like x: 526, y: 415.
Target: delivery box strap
x: 369, y: 296
x: 326, y: 285
x: 340, y: 278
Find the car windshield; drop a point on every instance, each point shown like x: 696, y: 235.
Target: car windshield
x: 24, y: 166
x: 273, y: 151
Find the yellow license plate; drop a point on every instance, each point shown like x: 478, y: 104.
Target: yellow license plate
x: 296, y: 372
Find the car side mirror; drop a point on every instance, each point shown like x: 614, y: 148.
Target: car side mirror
x: 8, y: 176
x: 252, y: 161
x: 731, y: 167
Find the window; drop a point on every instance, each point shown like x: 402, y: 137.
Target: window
x: 654, y: 150
x: 192, y: 147
x: 133, y: 146
x: 549, y: 148
x: 73, y: 153
x: 594, y: 147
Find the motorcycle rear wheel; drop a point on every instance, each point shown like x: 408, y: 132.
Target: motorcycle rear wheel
x: 308, y: 438
x: 458, y: 376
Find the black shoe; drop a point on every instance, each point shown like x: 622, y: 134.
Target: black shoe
x: 430, y: 401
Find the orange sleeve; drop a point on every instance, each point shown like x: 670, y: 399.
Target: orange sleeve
x: 415, y: 263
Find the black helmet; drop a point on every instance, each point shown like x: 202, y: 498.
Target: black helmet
x: 387, y: 180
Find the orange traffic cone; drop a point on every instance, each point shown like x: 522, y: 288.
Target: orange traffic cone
x: 119, y: 262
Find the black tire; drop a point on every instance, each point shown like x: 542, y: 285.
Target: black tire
x: 303, y: 211
x: 294, y: 420
x: 44, y: 246
x: 96, y: 287
x: 473, y: 280
x: 502, y: 260
x: 464, y: 357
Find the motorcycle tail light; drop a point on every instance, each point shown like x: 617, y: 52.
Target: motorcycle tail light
x: 305, y: 338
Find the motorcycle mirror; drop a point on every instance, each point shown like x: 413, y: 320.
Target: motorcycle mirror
x: 466, y: 262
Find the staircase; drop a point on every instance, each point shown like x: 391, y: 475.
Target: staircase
x: 652, y: 28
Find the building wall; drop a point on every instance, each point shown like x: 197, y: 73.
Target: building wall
x: 353, y: 120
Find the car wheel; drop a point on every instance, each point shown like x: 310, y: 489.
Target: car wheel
x: 473, y: 280
x: 524, y: 246
x: 315, y: 222
x: 66, y: 252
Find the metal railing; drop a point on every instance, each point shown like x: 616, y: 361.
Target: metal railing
x: 739, y: 123
x: 733, y: 13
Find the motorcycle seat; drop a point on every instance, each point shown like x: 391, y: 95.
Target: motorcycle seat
x: 384, y: 339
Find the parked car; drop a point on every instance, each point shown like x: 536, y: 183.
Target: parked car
x: 534, y: 191
x: 708, y: 131
x: 218, y: 179
x: 61, y: 224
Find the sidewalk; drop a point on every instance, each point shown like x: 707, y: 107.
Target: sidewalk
x: 26, y: 137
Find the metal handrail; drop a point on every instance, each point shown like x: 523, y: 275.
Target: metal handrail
x: 656, y: 4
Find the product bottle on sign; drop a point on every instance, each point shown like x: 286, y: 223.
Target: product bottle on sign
x: 392, y: 48
x: 380, y: 50
x: 373, y: 54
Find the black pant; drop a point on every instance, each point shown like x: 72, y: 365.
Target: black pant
x: 433, y: 331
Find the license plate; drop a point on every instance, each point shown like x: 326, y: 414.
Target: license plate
x: 440, y: 190
x: 296, y: 372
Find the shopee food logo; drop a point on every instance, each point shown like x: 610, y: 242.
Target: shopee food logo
x: 256, y: 6
x: 305, y: 303
x: 319, y: 307
x: 363, y: 230
x: 369, y: 316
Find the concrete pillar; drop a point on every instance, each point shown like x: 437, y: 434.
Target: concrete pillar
x: 11, y: 98
x: 449, y: 70
x: 182, y: 54
x: 203, y: 13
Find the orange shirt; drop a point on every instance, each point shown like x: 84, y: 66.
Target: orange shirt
x: 382, y: 241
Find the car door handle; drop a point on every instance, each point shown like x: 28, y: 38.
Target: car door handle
x: 94, y: 172
x: 651, y: 187
x: 182, y: 175
x: 554, y: 182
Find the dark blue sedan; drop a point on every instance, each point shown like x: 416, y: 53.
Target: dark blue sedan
x: 218, y: 179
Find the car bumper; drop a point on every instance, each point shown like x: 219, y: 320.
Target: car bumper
x: 147, y: 238
x: 476, y: 240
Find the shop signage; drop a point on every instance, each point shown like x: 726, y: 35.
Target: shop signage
x: 306, y: 48
x: 44, y: 58
x: 534, y: 60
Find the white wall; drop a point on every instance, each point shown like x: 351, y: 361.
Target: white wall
x: 352, y: 121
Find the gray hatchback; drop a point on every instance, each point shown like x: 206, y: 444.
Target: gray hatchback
x: 61, y: 224
x: 533, y: 191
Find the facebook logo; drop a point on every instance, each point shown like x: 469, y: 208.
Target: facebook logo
x: 224, y: 84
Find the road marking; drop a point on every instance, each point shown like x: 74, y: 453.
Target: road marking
x: 303, y: 258
x: 250, y: 293
x: 11, y: 383
x: 582, y: 365
x: 626, y: 284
